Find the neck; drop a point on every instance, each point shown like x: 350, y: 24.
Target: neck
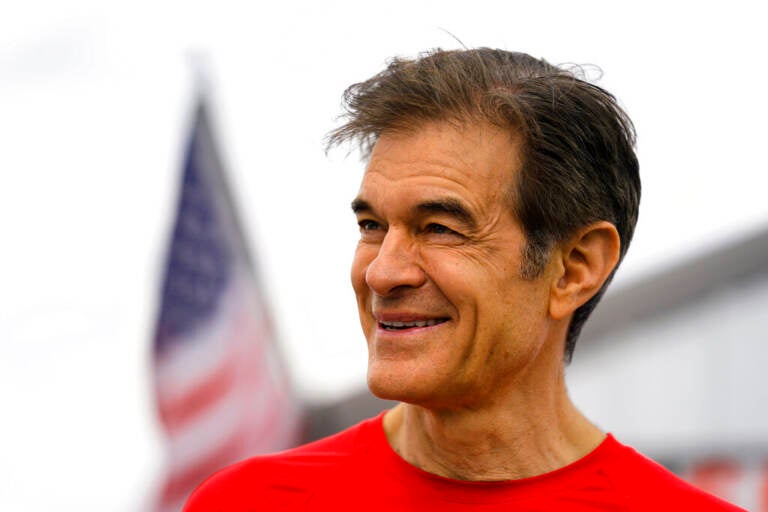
x: 533, y: 430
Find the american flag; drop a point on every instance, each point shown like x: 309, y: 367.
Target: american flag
x: 221, y: 389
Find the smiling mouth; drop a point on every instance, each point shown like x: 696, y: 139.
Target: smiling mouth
x: 399, y: 326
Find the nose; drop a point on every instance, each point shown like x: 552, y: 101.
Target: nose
x: 396, y: 266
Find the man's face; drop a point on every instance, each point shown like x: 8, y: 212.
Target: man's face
x: 448, y: 319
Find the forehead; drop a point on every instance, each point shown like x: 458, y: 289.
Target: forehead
x: 473, y: 162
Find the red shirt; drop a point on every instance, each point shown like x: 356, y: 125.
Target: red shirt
x: 358, y: 470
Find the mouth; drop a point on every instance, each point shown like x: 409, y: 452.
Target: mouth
x: 416, y: 324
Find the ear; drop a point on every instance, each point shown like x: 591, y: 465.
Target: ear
x: 584, y: 263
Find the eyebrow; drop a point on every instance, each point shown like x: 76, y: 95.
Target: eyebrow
x: 448, y: 206
x: 451, y: 207
x: 360, y: 205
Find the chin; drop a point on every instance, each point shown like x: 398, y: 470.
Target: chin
x: 388, y: 382
x: 405, y: 385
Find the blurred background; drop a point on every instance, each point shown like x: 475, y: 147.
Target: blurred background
x: 97, y: 106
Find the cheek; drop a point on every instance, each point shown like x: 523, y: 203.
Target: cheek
x: 360, y: 264
x: 471, y: 277
x: 357, y: 272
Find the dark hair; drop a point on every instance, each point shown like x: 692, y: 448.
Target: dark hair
x: 579, y: 164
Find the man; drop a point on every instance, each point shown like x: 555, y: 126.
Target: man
x: 500, y: 194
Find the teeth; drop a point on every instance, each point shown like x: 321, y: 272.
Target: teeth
x: 407, y: 325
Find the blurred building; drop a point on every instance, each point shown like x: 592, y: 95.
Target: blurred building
x: 674, y: 365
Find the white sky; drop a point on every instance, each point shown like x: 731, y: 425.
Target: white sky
x: 94, y: 101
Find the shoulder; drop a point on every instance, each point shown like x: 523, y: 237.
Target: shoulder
x: 647, y: 484
x: 284, y: 479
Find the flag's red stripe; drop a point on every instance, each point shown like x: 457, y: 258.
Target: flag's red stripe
x: 175, y: 412
x: 182, y: 482
x: 180, y: 485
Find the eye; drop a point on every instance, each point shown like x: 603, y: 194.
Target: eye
x: 439, y: 229
x: 371, y: 231
x: 368, y: 225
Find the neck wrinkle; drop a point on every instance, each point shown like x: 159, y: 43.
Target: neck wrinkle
x: 536, y: 430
